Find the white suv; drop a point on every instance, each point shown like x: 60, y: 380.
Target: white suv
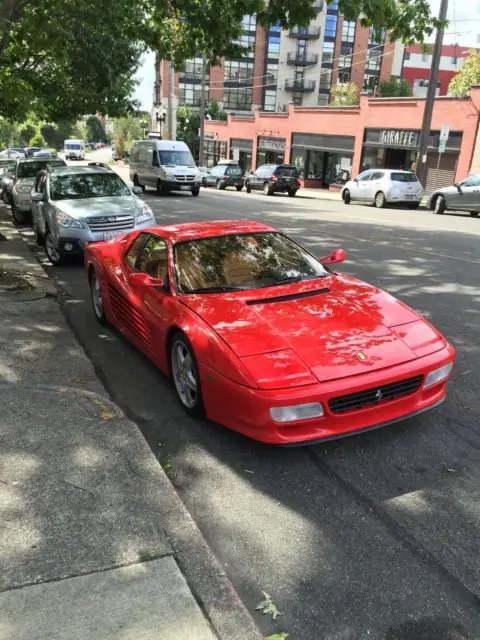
x: 384, y: 186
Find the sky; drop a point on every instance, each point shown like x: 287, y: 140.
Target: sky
x: 464, y: 29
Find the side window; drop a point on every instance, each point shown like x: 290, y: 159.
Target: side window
x: 132, y: 253
x: 472, y: 181
x: 153, y: 258
x: 38, y: 182
x: 155, y: 158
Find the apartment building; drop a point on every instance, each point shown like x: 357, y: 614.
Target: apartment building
x: 297, y: 66
x: 417, y: 64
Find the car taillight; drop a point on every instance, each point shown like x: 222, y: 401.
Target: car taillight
x: 274, y: 178
x: 225, y: 177
x: 297, y: 180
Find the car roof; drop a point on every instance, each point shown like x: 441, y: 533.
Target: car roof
x: 196, y: 230
x: 66, y: 170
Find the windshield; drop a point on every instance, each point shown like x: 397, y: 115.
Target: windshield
x: 73, y: 145
x: 80, y: 185
x: 403, y: 176
x: 242, y: 262
x: 174, y: 157
x: 30, y: 169
x: 234, y: 171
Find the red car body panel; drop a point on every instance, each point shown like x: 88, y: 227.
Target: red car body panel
x: 278, y: 346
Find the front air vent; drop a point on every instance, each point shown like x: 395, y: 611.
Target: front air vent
x: 290, y: 296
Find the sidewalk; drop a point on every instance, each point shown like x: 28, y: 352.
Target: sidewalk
x: 94, y: 540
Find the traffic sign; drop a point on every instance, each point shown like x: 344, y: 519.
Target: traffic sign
x: 441, y: 146
x: 444, y: 133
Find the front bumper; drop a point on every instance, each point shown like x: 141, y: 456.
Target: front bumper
x: 80, y: 237
x: 246, y: 409
x: 176, y: 185
x: 22, y: 202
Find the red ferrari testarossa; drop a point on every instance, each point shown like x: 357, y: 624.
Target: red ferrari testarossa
x: 263, y: 337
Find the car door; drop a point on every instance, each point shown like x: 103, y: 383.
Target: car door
x: 372, y: 186
x: 38, y: 218
x: 359, y: 186
x: 467, y: 197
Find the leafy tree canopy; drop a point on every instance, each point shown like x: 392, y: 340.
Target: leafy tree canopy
x: 469, y: 74
x: 64, y: 58
x: 95, y: 130
x: 395, y: 88
x: 345, y: 94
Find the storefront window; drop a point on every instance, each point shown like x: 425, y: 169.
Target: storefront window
x: 340, y: 169
x: 315, y: 165
x: 298, y: 157
x: 373, y: 158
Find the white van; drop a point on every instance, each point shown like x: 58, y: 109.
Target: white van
x: 164, y: 165
x: 74, y: 149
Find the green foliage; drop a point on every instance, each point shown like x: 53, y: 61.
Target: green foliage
x: 56, y: 133
x: 95, y: 130
x: 26, y: 132
x: 215, y: 112
x: 8, y: 133
x: 125, y: 131
x: 469, y: 74
x: 37, y: 140
x: 63, y: 59
x: 188, y: 124
x: 395, y: 88
x: 345, y: 94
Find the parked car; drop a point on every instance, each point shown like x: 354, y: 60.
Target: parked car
x: 45, y: 153
x: 263, y: 337
x: 13, y: 152
x: 30, y: 151
x: 382, y: 187
x: 26, y: 170
x: 74, y: 149
x: 274, y: 178
x: 464, y: 196
x: 223, y: 176
x: 72, y: 206
x: 164, y: 165
x: 7, y: 168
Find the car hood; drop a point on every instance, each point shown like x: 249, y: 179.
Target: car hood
x: 88, y: 207
x: 25, y: 182
x: 181, y: 170
x: 335, y: 326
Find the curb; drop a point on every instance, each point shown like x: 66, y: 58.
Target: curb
x: 205, y: 576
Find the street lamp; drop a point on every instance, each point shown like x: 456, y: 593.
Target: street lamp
x: 160, y: 117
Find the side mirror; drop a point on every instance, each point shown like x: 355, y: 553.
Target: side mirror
x: 137, y: 190
x: 339, y: 255
x: 37, y: 196
x: 459, y: 188
x: 144, y: 280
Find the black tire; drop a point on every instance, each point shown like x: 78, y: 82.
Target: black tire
x: 474, y: 214
x: 97, y: 305
x: 248, y: 188
x: 413, y: 205
x: 204, y: 183
x: 380, y: 201
x: 195, y: 191
x: 346, y: 197
x: 20, y: 217
x: 239, y: 187
x: 267, y: 189
x: 39, y: 238
x: 439, y: 205
x: 53, y: 254
x: 219, y: 185
x: 292, y: 193
x: 161, y: 188
x: 197, y: 410
x: 137, y: 184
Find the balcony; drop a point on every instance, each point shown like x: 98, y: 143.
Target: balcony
x: 310, y: 33
x: 302, y: 59
x: 300, y: 86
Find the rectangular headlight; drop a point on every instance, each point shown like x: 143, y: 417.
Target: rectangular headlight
x: 297, y: 412
x: 437, y: 375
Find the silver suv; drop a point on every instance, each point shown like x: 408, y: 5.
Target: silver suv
x: 75, y: 205
x: 24, y: 175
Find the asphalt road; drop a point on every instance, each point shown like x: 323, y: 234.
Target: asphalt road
x: 371, y: 537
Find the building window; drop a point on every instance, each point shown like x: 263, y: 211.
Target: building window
x: 270, y: 100
x: 348, y: 31
x: 249, y: 23
x: 372, y: 38
x: 246, y: 40
x: 424, y: 57
x: 271, y: 74
x: 325, y: 79
x: 454, y: 60
x: 273, y: 47
x: 237, y: 98
x: 238, y: 71
x: 407, y: 55
x: 192, y: 70
x: 330, y: 26
x: 191, y: 94
x: 328, y: 51
x: 344, y: 76
x: 322, y: 99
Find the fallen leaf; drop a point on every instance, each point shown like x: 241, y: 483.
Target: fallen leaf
x: 277, y: 636
x: 266, y: 606
x: 104, y: 413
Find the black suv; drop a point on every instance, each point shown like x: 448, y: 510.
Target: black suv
x: 274, y: 178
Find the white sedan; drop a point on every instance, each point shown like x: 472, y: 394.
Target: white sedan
x: 384, y: 186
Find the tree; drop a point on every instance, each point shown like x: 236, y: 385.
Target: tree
x: 395, y: 88
x: 95, y: 130
x: 8, y: 133
x: 213, y: 110
x: 469, y: 74
x: 345, y: 94
x: 63, y: 59
x: 37, y: 140
x: 125, y: 131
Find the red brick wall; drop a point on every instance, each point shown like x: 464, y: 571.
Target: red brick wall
x: 387, y: 60
x: 216, y: 82
x: 360, y: 47
x: 259, y: 65
x: 336, y: 53
x: 164, y: 77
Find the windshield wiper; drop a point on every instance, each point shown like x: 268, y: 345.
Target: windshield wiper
x: 219, y: 289
x: 294, y: 279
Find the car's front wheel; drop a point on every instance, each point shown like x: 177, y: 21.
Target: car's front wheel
x: 20, y: 217
x: 267, y: 189
x: 292, y: 193
x: 346, y: 196
x: 195, y: 191
x: 474, y: 214
x: 186, y: 379
x: 136, y: 183
x: 380, y: 201
x: 52, y: 251
x: 239, y: 187
x: 97, y: 299
x: 39, y: 237
x: 248, y: 188
x: 440, y: 204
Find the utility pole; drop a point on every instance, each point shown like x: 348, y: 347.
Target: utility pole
x: 432, y: 87
x: 170, y: 101
x: 201, y: 153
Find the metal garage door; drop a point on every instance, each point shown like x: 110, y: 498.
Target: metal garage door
x: 446, y: 171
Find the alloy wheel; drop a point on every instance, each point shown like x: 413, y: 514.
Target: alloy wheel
x: 184, y: 375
